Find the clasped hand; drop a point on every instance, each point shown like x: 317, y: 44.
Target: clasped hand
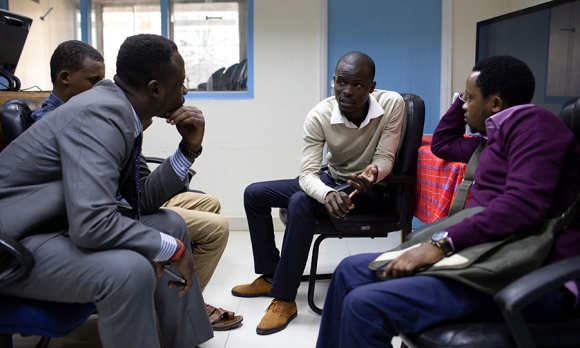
x: 338, y: 204
x: 364, y: 180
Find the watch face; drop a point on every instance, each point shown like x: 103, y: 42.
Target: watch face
x: 438, y: 236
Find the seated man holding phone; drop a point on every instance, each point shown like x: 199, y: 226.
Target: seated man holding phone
x: 362, y: 127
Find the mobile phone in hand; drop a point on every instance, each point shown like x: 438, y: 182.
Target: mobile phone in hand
x: 174, y: 275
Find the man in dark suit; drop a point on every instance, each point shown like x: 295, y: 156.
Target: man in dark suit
x: 58, y: 186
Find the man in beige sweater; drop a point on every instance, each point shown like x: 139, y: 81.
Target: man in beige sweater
x: 362, y: 127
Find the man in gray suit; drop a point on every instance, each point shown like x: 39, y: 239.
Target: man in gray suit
x: 58, y: 184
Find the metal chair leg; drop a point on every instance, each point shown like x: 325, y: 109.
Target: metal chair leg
x: 405, y: 231
x: 43, y: 343
x: 6, y: 341
x: 312, y: 278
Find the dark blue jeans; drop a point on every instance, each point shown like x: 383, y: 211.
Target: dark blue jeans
x: 260, y: 198
x: 362, y: 311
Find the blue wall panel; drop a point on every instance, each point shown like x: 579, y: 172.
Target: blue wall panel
x: 402, y: 37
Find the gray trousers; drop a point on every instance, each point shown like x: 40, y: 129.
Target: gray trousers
x: 123, y: 286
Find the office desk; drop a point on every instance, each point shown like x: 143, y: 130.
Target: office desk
x: 437, y: 182
x: 6, y: 95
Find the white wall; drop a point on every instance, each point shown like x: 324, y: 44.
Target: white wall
x: 44, y: 36
x: 259, y: 139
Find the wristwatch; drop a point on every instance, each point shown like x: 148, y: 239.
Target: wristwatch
x: 441, y: 240
x: 188, y: 153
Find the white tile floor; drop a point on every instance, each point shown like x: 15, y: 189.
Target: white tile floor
x: 236, y: 267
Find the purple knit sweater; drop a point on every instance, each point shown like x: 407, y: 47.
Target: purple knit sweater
x: 529, y: 171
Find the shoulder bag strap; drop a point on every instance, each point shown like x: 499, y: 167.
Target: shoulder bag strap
x: 461, y: 195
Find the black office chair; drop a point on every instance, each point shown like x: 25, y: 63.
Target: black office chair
x: 514, y: 332
x: 399, y: 190
x: 15, y: 115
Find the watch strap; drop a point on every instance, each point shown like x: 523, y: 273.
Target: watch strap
x: 188, y: 153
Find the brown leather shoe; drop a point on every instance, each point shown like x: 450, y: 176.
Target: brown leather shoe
x: 259, y: 287
x: 278, y: 315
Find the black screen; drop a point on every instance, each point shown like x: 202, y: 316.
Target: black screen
x: 547, y: 38
x: 13, y: 32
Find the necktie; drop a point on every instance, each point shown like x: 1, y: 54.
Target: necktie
x: 135, y: 177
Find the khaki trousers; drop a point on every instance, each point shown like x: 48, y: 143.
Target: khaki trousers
x: 208, y: 231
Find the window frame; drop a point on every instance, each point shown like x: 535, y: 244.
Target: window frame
x: 86, y: 25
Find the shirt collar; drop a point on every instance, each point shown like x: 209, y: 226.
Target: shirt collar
x: 138, y: 126
x: 493, y: 122
x: 375, y: 110
x: 54, y: 101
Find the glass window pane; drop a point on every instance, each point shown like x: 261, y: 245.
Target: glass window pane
x: 212, y: 41
x: 210, y: 35
x: 113, y: 21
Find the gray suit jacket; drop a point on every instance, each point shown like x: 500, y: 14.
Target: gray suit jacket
x: 65, y: 172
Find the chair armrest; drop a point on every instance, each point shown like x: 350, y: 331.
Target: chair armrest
x: 532, y: 286
x: 158, y: 160
x: 399, y: 179
x: 391, y: 178
x: 516, y: 296
x: 15, y: 260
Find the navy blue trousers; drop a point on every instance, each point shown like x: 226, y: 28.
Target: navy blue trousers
x: 287, y: 267
x: 362, y: 311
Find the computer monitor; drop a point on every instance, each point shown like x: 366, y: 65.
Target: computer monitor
x: 13, y: 32
x: 547, y: 38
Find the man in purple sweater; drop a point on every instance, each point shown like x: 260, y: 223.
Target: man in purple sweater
x: 527, y: 173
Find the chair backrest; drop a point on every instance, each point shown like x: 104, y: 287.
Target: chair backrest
x: 407, y: 153
x: 411, y: 135
x: 571, y: 117
x: 15, y: 260
x: 15, y: 114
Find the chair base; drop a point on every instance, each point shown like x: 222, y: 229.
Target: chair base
x: 316, y: 248
x: 43, y: 343
x: 494, y: 335
x: 6, y: 341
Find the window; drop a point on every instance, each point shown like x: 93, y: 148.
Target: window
x: 208, y: 37
x: 213, y: 36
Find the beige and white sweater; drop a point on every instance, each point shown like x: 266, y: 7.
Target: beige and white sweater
x: 351, y: 150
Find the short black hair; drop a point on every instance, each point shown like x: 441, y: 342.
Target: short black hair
x: 359, y: 58
x: 143, y: 58
x: 508, y: 76
x: 71, y: 55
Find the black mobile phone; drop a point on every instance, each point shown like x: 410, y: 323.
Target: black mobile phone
x: 174, y: 275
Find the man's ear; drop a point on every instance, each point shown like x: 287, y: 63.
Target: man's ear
x: 63, y: 76
x: 153, y: 88
x: 373, y: 85
x: 498, y: 103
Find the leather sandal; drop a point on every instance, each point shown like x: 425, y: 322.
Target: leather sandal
x: 221, y: 319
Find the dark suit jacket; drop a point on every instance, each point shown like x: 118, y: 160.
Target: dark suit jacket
x: 68, y: 168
